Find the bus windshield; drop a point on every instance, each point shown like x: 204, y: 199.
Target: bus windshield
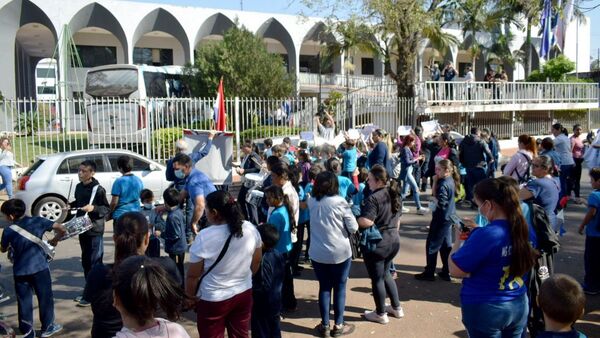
x: 112, y: 83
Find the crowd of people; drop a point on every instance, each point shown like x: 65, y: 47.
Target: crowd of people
x: 326, y: 206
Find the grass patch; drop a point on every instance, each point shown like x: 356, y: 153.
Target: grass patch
x: 27, y: 148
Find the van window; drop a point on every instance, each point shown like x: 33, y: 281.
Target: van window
x: 156, y: 84
x: 33, y: 167
x: 71, y: 165
x: 112, y: 83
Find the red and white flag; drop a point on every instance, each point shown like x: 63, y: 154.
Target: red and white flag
x: 219, y: 109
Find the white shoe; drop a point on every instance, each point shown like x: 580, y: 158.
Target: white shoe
x: 405, y: 210
x: 422, y: 211
x: 397, y: 313
x: 372, y: 316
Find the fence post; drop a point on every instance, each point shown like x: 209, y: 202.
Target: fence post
x: 512, y: 125
x: 589, y: 120
x: 237, y: 127
x: 352, y: 113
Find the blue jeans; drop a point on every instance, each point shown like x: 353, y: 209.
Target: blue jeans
x: 408, y: 179
x: 6, y: 174
x: 332, y: 276
x: 566, y: 171
x: 41, y: 284
x: 92, y: 251
x: 474, y: 176
x: 496, y: 320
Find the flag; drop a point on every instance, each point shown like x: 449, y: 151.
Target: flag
x: 561, y: 29
x: 546, y: 30
x: 219, y: 109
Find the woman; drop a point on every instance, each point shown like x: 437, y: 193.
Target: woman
x: 126, y: 190
x: 251, y: 164
x: 547, y: 149
x: 7, y: 162
x: 564, y: 148
x: 408, y: 160
x: 223, y: 258
x: 379, y: 153
x: 493, y: 262
x: 544, y: 189
x: 577, y: 144
x: 519, y: 166
x: 131, y: 238
x: 332, y: 224
x: 447, y: 149
x: 439, y: 238
x: 382, y: 211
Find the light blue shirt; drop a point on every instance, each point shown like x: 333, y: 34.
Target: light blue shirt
x: 562, y: 145
x: 128, y: 189
x: 280, y: 219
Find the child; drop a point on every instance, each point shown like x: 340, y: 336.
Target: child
x: 266, y: 286
x: 30, y: 267
x: 349, y: 157
x: 562, y: 301
x: 591, y: 224
x: 357, y: 199
x: 155, y: 222
x: 304, y: 163
x: 141, y: 286
x: 346, y: 188
x: 174, y: 234
x: 268, y: 145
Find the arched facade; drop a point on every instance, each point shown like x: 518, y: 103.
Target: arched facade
x: 273, y: 31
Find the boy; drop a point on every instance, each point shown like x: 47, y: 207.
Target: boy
x: 591, y: 224
x: 266, y: 286
x: 174, y: 234
x: 562, y: 300
x: 155, y: 222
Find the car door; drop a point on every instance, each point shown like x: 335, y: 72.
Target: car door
x: 151, y: 179
x: 66, y: 173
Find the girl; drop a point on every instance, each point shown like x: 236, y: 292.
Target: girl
x: 519, y: 166
x: 140, y: 286
x: 304, y: 163
x: 7, y: 162
x: 406, y: 175
x: 493, y: 262
x: 439, y: 238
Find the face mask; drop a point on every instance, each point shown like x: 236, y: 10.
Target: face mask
x: 179, y: 173
x: 147, y: 205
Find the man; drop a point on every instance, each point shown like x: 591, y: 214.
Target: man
x: 251, y: 163
x: 475, y: 156
x: 197, y: 186
x: 449, y: 75
x: 434, y: 73
x: 90, y: 198
x: 469, y: 77
x: 327, y: 129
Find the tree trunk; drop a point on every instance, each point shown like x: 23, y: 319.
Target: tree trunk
x: 529, y: 52
x: 405, y: 67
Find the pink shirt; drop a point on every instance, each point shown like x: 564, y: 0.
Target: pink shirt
x: 577, y: 144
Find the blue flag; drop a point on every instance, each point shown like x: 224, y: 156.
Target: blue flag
x: 546, y: 26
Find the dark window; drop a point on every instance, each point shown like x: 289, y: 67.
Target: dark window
x: 93, y: 56
x: 367, y: 65
x: 138, y: 165
x: 112, y: 82
x: 78, y: 103
x: 156, y: 84
x: 48, y: 73
x: 46, y: 90
x: 71, y: 165
x: 144, y: 56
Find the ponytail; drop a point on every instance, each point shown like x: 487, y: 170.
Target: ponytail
x: 277, y: 193
x: 395, y: 198
x: 228, y: 209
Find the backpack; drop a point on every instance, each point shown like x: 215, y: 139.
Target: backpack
x: 527, y: 175
x: 547, y: 240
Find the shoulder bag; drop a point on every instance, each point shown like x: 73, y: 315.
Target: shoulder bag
x: 219, y: 258
x: 45, y: 246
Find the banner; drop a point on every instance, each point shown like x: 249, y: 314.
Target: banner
x: 217, y: 164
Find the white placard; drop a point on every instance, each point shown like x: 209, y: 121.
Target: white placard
x: 353, y: 134
x: 430, y: 126
x: 307, y: 135
x: 404, y: 130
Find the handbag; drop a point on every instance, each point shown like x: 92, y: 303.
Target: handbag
x: 219, y: 258
x: 81, y: 224
x: 48, y: 249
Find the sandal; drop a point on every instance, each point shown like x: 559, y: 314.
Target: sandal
x: 342, y: 330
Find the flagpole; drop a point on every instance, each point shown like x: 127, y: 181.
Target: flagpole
x: 577, y: 50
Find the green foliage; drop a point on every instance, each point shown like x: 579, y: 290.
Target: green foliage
x: 270, y: 131
x: 31, y: 122
x: 246, y: 66
x: 555, y: 70
x: 571, y: 115
x: 331, y: 103
x: 162, y: 141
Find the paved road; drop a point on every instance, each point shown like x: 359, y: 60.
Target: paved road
x: 432, y: 308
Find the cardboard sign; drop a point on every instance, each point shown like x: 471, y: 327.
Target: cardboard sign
x: 217, y: 164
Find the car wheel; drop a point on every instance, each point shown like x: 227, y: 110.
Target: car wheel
x: 51, y: 208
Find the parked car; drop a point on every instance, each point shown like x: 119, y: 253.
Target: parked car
x: 49, y: 184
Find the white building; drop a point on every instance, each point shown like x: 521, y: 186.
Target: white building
x: 109, y: 31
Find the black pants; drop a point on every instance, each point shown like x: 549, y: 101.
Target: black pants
x: 288, y: 297
x: 92, y: 251
x: 178, y: 259
x: 297, y: 247
x: 241, y: 199
x: 590, y: 258
x: 439, y: 240
x: 576, y: 177
x: 378, y: 264
x: 265, y: 325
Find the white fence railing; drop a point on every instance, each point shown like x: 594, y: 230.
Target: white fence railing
x: 441, y: 92
x: 354, y: 82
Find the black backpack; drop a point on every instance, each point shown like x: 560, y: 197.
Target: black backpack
x: 547, y: 239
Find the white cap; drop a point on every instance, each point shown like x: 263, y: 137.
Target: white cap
x: 181, y: 144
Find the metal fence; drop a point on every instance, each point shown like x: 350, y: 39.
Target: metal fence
x: 150, y: 127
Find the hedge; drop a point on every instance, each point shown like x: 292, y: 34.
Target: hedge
x: 267, y: 131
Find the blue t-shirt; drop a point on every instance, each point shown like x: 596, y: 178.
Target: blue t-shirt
x: 545, y: 193
x: 357, y: 200
x: 128, y: 189
x: 486, y: 255
x: 349, y: 156
x: 280, y: 219
x: 174, y: 234
x: 304, y: 214
x: 346, y: 187
x: 378, y: 155
x: 198, y: 184
x: 570, y: 334
x: 29, y: 258
x: 592, y: 229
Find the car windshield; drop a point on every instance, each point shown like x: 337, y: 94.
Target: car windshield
x: 33, y: 168
x: 112, y: 83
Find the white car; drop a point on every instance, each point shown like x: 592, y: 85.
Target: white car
x: 49, y: 184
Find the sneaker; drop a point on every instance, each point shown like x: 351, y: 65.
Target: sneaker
x: 4, y: 298
x: 342, y: 329
x: 373, y: 316
x: 53, y: 329
x: 422, y: 211
x: 83, y: 303
x: 397, y: 313
x: 405, y: 210
x: 78, y: 299
x: 322, y: 330
x: 423, y: 276
x: 444, y: 276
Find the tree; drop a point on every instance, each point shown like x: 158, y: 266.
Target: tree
x: 555, y: 70
x: 594, y: 66
x: 246, y: 66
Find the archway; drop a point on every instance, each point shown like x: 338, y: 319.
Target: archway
x: 159, y: 39
x: 279, y: 41
x: 312, y: 52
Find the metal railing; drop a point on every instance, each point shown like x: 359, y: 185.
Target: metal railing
x: 472, y: 93
x: 353, y: 81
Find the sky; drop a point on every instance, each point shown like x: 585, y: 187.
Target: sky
x: 294, y: 7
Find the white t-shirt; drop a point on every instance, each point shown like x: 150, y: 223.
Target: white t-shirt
x: 163, y: 329
x: 232, y: 275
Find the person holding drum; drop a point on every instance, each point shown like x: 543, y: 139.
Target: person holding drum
x: 250, y: 165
